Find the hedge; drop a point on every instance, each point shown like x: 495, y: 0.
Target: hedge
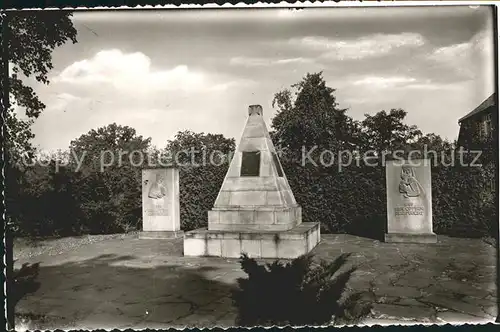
x: 352, y: 201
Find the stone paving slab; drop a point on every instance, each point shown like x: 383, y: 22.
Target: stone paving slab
x: 136, y: 283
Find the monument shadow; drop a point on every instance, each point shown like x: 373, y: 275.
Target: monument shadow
x: 119, y: 291
x: 372, y: 228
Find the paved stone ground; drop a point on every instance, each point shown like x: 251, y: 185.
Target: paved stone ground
x: 135, y: 283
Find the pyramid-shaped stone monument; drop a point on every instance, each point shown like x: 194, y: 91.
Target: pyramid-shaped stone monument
x: 255, y: 211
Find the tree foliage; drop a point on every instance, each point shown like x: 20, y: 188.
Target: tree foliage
x: 67, y: 199
x: 351, y: 199
x: 310, y: 116
x: 189, y: 147
x: 112, y: 144
x: 387, y: 132
x: 109, y: 181
x: 31, y: 38
x: 200, y: 179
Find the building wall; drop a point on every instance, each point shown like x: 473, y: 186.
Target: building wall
x: 478, y: 132
x: 478, y: 128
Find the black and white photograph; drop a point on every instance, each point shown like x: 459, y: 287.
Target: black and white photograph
x: 251, y: 165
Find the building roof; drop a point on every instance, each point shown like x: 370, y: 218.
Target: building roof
x: 490, y: 101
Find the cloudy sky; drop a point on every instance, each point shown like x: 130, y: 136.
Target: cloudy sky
x: 165, y: 71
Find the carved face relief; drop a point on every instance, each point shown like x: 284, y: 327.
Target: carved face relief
x: 157, y: 189
x: 408, y: 185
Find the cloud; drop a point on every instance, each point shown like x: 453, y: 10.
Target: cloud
x: 469, y: 59
x: 265, y: 62
x: 363, y: 47
x: 384, y: 82
x: 232, y: 84
x: 447, y: 52
x: 129, y: 72
x: 430, y: 86
x: 293, y: 61
x: 401, y: 83
x: 63, y: 100
x: 126, y: 88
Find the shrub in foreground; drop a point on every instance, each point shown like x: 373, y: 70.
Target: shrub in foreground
x: 299, y: 292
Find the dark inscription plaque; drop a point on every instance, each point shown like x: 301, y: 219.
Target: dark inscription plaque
x: 250, y: 163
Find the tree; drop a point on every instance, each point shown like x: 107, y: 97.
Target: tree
x: 31, y: 37
x: 112, y: 145
x: 387, y: 132
x: 434, y: 142
x: 108, y: 184
x: 199, y: 181
x: 190, y: 147
x: 434, y: 148
x: 312, y: 118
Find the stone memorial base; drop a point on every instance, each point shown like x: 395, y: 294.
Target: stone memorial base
x: 261, y: 218
x: 411, y: 238
x: 257, y: 244
x: 160, y: 234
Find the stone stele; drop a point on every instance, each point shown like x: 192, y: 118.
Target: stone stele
x: 409, y: 201
x: 255, y: 211
x: 160, y: 203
